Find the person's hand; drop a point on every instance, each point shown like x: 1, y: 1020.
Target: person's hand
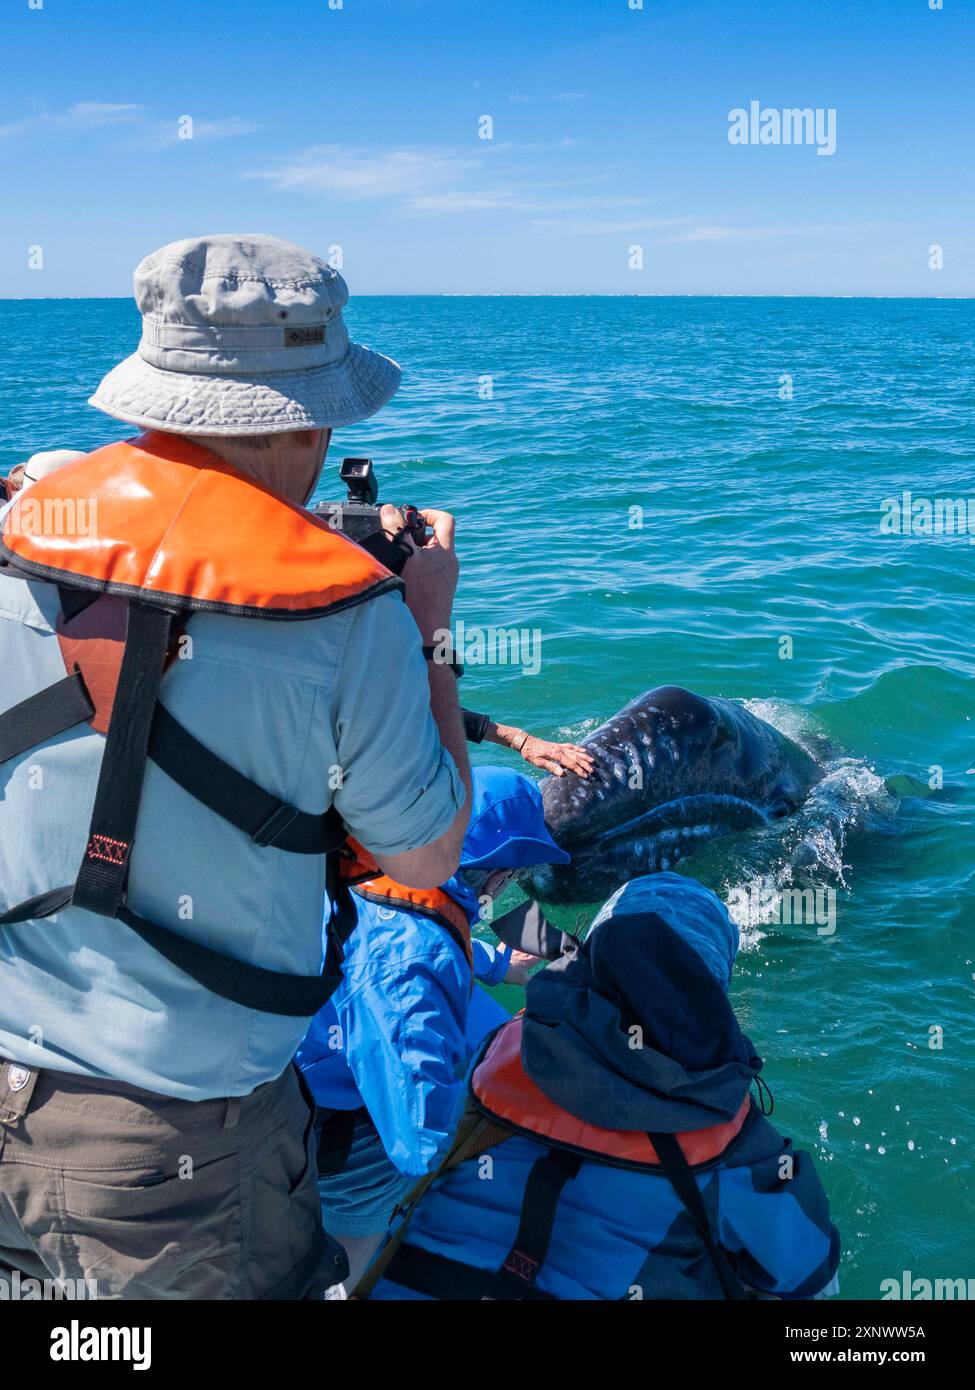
x: 431, y: 572
x: 520, y: 966
x: 558, y: 758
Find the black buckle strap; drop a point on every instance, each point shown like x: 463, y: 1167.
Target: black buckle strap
x: 44, y: 905
x: 549, y: 1174
x: 678, y: 1171
x: 448, y: 1281
x: 100, y: 886
x: 221, y: 788
x: 251, y: 986
x: 44, y: 715
x: 274, y: 827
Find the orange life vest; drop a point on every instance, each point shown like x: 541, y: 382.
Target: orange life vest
x: 162, y: 520
x: 506, y: 1094
x: 361, y: 872
x: 137, y: 536
x: 504, y: 1103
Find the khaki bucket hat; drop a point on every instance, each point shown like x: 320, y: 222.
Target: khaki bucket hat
x: 243, y: 335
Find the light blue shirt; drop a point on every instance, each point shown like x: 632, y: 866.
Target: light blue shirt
x: 334, y: 709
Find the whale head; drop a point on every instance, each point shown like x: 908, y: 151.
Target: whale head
x: 672, y: 771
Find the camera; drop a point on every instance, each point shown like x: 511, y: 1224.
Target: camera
x: 358, y: 516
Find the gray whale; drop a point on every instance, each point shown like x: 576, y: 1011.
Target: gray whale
x: 672, y: 770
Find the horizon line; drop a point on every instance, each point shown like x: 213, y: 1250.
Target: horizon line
x: 536, y: 294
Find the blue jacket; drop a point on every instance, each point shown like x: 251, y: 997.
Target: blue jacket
x: 398, y: 1033
x: 625, y: 1235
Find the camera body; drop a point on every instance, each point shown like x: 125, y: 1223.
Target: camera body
x: 358, y: 517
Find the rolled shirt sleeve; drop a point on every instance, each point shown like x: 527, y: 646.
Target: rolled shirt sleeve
x: 396, y: 786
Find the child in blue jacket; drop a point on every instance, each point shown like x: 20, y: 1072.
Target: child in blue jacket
x: 386, y: 1057
x: 638, y: 1164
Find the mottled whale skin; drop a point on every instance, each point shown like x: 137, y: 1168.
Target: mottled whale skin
x: 672, y: 770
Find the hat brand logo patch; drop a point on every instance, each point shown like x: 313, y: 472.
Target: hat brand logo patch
x: 304, y: 337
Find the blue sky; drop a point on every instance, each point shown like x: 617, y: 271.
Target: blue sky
x: 358, y: 127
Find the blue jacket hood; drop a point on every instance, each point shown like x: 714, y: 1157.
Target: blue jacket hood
x: 657, y: 961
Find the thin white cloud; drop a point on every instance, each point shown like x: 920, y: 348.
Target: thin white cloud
x: 460, y: 201
x: 730, y: 232
x: 597, y: 226
x: 95, y: 113
x: 434, y: 181
x: 524, y: 98
x: 167, y: 133
x: 406, y: 172
x: 512, y: 200
x: 737, y: 233
x: 84, y: 115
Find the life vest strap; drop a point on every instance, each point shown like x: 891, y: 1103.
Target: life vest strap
x: 681, y: 1178
x: 450, y: 1280
x: 44, y: 715
x: 100, y: 886
x: 251, y: 986
x: 444, y: 1279
x: 221, y: 788
x: 102, y: 879
x: 203, y: 775
x: 523, y: 1263
x: 43, y: 905
x: 474, y: 1134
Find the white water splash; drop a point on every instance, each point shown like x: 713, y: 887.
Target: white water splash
x: 805, y: 849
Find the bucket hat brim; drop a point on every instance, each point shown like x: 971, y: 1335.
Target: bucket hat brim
x: 519, y: 852
x: 332, y: 396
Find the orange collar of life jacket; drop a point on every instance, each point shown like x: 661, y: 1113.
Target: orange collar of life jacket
x: 361, y: 873
x: 162, y: 520
x: 504, y: 1091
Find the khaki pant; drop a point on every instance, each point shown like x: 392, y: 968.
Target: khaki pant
x: 151, y: 1197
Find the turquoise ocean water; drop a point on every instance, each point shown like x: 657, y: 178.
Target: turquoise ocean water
x: 542, y: 423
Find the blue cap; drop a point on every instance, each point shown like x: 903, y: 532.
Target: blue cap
x: 507, y: 826
x: 688, y: 908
